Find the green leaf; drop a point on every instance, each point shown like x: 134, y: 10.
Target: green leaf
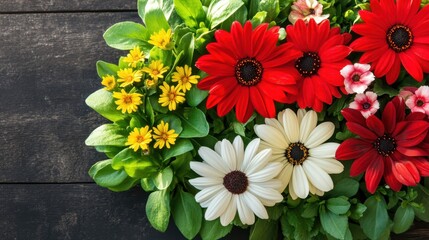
x: 158, y: 210
x: 135, y: 164
x: 275, y: 212
x: 181, y: 165
x: 105, y: 176
x: 240, y: 16
x: 333, y: 224
x: 125, y: 185
x: 375, y: 219
x: 339, y: 205
x: 195, y: 96
x: 194, y: 123
x: 381, y: 88
x: 103, y: 103
x: 423, y: 198
x: 166, y: 56
x: 173, y: 122
x: 107, y: 134
x: 264, y: 229
x: 271, y: 7
x: 127, y: 35
x: 154, y: 18
x: 180, y: 147
x: 163, y: 179
x: 147, y: 184
x: 297, y: 227
x: 191, y: 11
x: 404, y: 218
x: 211, y: 230
x: 310, y: 210
x: 141, y: 5
x: 259, y: 18
x: 187, y: 214
x: 187, y: 45
x: 155, y: 104
x: 104, y: 68
x: 166, y: 6
x: 220, y: 10
x: 208, y: 141
x: 357, y: 232
x: 239, y: 128
x: 356, y: 211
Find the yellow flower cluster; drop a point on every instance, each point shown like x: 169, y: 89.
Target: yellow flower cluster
x: 140, y: 138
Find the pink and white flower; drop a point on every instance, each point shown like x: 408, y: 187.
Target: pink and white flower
x: 419, y: 101
x: 407, y: 92
x: 357, y: 77
x: 366, y: 103
x: 306, y: 10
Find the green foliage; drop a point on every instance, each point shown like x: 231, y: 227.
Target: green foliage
x: 105, y: 176
x: 103, y: 103
x: 126, y: 35
x: 375, y: 219
x: 212, y: 230
x: 107, y: 134
x: 264, y: 229
x: 158, y: 210
x: 220, y: 10
x: 180, y: 147
x: 404, y: 217
x: 334, y: 224
x: 187, y: 214
x: 191, y: 11
x: 194, y: 123
x: 135, y: 164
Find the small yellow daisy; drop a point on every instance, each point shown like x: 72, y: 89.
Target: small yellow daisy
x: 135, y: 56
x: 127, y: 102
x: 170, y: 96
x: 139, y: 138
x: 127, y: 76
x: 184, y: 77
x: 163, y: 136
x: 161, y: 39
x: 156, y: 69
x: 109, y: 82
x: 150, y: 83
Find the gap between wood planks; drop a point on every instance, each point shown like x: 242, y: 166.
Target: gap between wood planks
x: 69, y: 11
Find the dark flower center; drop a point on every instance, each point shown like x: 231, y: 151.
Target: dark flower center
x: 296, y: 153
x: 308, y: 64
x: 366, y: 105
x: 356, y: 78
x: 248, y: 71
x: 236, y: 182
x: 312, y: 11
x: 399, y: 38
x: 420, y: 103
x: 385, y: 145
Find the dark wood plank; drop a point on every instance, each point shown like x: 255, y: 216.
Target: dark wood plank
x: 47, y: 64
x: 65, y: 5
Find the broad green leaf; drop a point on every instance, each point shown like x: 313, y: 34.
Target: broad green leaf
x: 271, y: 7
x: 181, y: 166
x: 220, y: 10
x: 180, y: 147
x: 194, y: 123
x: 356, y: 211
x: 187, y: 214
x: 158, y: 210
x: 141, y: 5
x: 212, y: 230
x: 238, y: 128
x: 125, y: 185
x: 240, y: 16
x: 163, y: 179
x: 375, y: 219
x: 165, y: 56
x: 264, y: 229
x: 404, y: 218
x: 259, y: 18
x: 275, y: 212
x: 310, y: 210
x: 195, y: 96
x: 147, y: 184
x: 381, y: 88
x: 102, y: 102
x: 104, y: 68
x: 107, y: 134
x: 166, y: 6
x: 173, y: 122
x: 105, y: 176
x: 297, y: 227
x: 187, y: 45
x: 155, y: 104
x: 191, y: 11
x: 127, y: 35
x: 154, y: 18
x: 208, y: 141
x: 135, y: 164
x: 149, y: 112
x: 333, y: 224
x: 357, y: 232
x: 339, y: 205
x: 110, y: 151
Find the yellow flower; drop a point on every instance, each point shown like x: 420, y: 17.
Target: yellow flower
x: 170, y: 96
x: 163, y: 136
x: 150, y: 83
x: 127, y: 102
x: 135, y: 56
x: 139, y: 138
x: 184, y: 78
x: 155, y: 69
x: 161, y: 39
x: 127, y: 76
x: 109, y: 82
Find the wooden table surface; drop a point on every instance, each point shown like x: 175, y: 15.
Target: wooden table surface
x: 48, y: 51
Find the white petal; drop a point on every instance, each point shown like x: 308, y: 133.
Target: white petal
x: 267, y: 195
x: 218, y: 205
x: 246, y: 215
x: 317, y: 176
x: 326, y: 150
x: 291, y: 125
x: 278, y: 125
x: 213, y: 159
x: 218, y: 147
x: 329, y: 165
x: 271, y: 135
x: 208, y: 193
x: 315, y: 191
x: 300, y: 182
x: 250, y: 151
x: 320, y: 134
x: 205, y: 170
x: 258, y: 162
x: 300, y: 115
x: 269, y: 172
x: 286, y: 175
x: 292, y: 191
x: 228, y: 155
x: 308, y: 123
x: 204, y: 182
x: 255, y: 205
x: 239, y: 151
x: 272, y: 183
x: 229, y: 214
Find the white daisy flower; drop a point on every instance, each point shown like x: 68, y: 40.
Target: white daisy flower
x: 298, y: 143
x: 233, y: 179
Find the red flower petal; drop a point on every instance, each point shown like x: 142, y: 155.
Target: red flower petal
x: 389, y: 117
x: 412, y: 66
x: 361, y: 131
x: 422, y: 164
x: 353, y: 115
x: 375, y: 125
x: 352, y: 148
x: 389, y: 177
x: 374, y: 173
x: 361, y: 164
x: 406, y: 172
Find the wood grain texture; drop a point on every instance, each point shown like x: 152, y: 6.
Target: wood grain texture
x: 47, y: 64
x: 9, y: 6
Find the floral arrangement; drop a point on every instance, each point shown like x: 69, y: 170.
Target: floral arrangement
x: 307, y: 119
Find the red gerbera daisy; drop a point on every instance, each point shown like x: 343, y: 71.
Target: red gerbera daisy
x: 246, y: 69
x: 318, y: 70
x: 394, y: 34
x: 389, y: 147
